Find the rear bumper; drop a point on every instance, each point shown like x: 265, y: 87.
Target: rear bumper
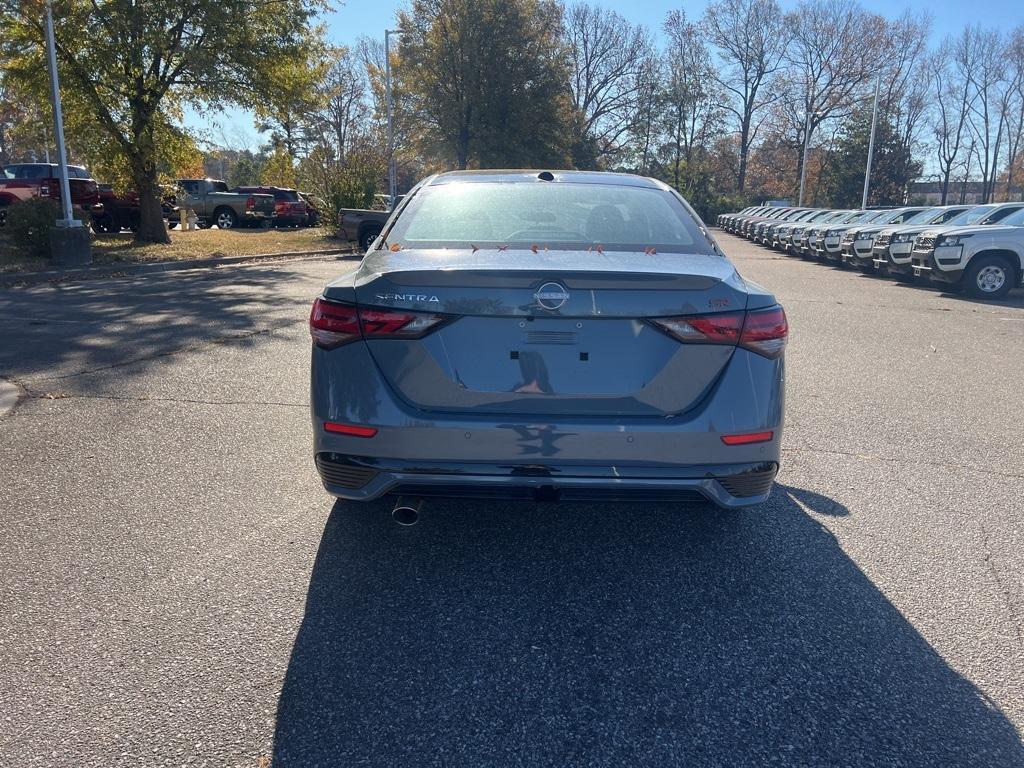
x: 727, y: 485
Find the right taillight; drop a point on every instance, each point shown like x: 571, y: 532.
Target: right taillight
x: 763, y: 331
x: 250, y: 203
x: 332, y: 324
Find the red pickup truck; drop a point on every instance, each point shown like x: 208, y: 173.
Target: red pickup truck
x: 289, y: 207
x: 21, y: 181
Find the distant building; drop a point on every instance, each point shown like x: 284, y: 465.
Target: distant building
x: 930, y: 193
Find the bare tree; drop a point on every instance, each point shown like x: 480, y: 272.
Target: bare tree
x: 1015, y: 119
x: 608, y: 58
x: 950, y: 78
x: 833, y: 55
x: 644, y: 131
x: 751, y: 37
x: 344, y: 109
x: 905, y: 93
x: 988, y: 101
x: 692, y: 106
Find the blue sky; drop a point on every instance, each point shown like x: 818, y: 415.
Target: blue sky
x: 369, y: 17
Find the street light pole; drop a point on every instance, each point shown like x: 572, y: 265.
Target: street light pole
x: 871, y: 145
x: 803, y: 165
x: 392, y: 181
x: 58, y: 125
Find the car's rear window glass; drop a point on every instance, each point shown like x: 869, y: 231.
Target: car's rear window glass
x: 284, y: 194
x: 562, y: 215
x: 218, y: 186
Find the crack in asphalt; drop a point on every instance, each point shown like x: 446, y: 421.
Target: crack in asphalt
x: 28, y: 393
x: 897, y: 460
x: 171, y: 352
x: 1004, y: 592
x: 31, y: 395
x: 993, y: 310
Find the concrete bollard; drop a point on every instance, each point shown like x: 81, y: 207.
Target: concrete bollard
x: 70, y: 246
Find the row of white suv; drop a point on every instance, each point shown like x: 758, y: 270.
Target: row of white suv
x: 978, y: 248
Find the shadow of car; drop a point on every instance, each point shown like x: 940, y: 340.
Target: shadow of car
x: 496, y: 634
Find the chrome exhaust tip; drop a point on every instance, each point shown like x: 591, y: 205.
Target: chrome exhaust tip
x: 407, y: 511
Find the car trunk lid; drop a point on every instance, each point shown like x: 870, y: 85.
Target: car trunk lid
x: 556, y: 333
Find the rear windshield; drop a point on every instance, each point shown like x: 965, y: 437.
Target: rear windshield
x: 286, y: 194
x: 562, y: 215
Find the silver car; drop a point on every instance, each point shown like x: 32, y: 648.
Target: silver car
x: 547, y: 335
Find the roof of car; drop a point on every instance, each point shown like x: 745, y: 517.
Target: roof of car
x: 522, y: 175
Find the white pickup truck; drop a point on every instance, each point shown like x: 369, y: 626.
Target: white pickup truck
x: 986, y: 260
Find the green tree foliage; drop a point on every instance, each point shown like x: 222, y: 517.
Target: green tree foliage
x: 246, y: 170
x: 134, y: 65
x: 483, y: 82
x: 354, y: 185
x: 279, y: 170
x: 29, y: 223
x: 291, y: 96
x: 892, y: 170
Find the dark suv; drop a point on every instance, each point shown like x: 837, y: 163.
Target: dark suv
x: 289, y: 207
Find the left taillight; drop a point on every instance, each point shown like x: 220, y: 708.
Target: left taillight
x: 250, y: 203
x: 332, y: 324
x: 763, y: 331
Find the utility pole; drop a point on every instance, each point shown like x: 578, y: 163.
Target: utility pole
x: 58, y: 125
x: 871, y: 145
x: 807, y: 145
x: 392, y: 181
x: 69, y: 240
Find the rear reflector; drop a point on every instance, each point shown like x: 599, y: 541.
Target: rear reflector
x: 332, y: 324
x: 349, y: 429
x: 748, y: 438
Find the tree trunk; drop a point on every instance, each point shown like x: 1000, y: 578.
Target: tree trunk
x: 151, y: 221
x: 741, y: 177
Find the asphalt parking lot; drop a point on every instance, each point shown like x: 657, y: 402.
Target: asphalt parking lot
x: 177, y: 589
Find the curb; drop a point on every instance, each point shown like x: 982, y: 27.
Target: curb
x: 18, y: 279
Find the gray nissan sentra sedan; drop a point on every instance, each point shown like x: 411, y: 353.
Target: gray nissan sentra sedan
x: 547, y: 335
